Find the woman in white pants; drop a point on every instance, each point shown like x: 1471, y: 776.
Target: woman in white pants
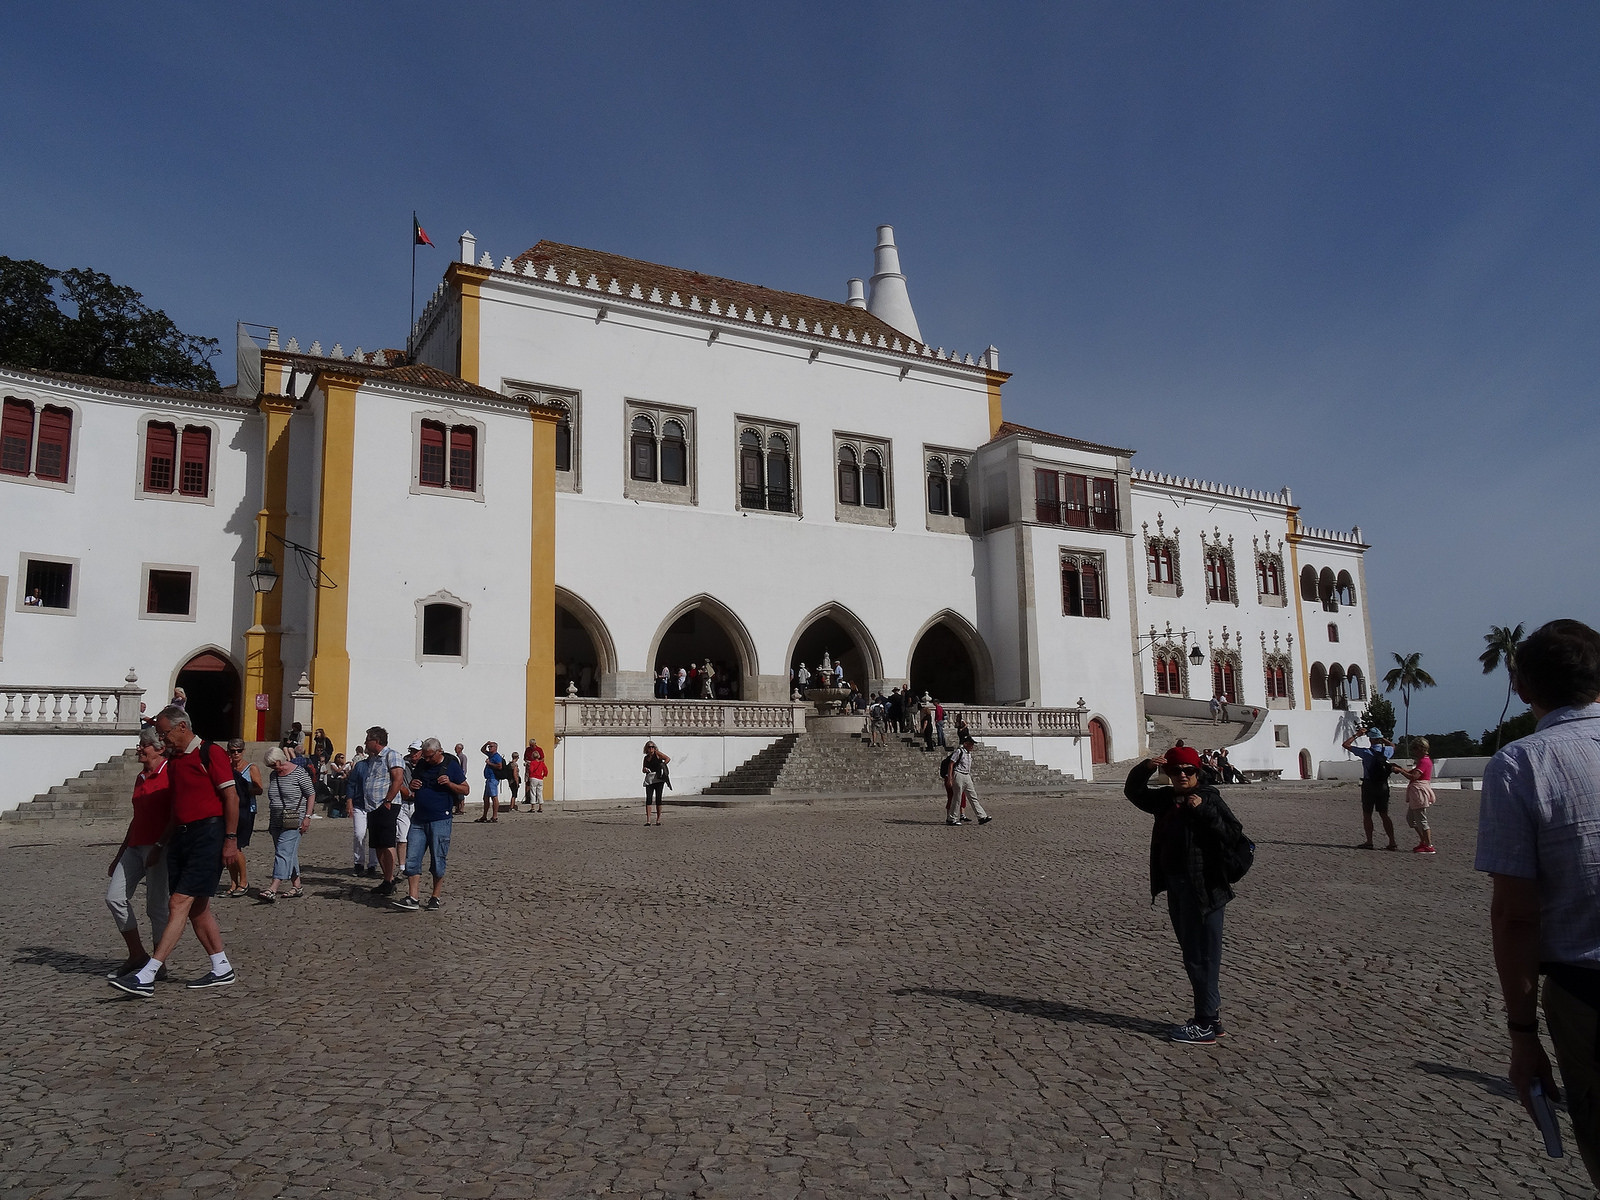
x: 139, y: 856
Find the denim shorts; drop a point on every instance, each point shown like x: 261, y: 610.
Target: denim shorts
x: 434, y: 836
x: 194, y: 858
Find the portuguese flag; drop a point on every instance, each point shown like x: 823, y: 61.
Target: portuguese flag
x: 419, y: 235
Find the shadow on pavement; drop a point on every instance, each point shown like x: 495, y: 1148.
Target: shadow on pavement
x: 68, y: 962
x: 1050, y: 1010
x: 1495, y: 1085
x: 906, y: 821
x: 1311, y: 845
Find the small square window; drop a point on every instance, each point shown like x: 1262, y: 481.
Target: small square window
x: 441, y: 631
x: 169, y: 592
x: 49, y: 585
x: 1280, y: 736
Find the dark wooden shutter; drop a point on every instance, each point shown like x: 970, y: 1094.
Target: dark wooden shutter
x: 16, y: 437
x: 1091, y: 591
x: 1047, y: 497
x: 195, y: 472
x: 160, y: 457
x: 463, y: 458
x: 1105, y: 503
x: 1076, y: 500
x: 430, y: 464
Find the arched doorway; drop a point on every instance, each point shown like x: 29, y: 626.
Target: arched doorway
x: 1305, y: 764
x: 837, y: 632
x: 949, y: 662
x: 1099, y: 742
x: 701, y: 629
x: 584, y: 651
x: 212, y: 686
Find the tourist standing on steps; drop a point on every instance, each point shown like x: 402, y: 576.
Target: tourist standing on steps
x: 1186, y: 863
x: 438, y: 780
x: 962, y: 791
x: 656, y: 777
x: 1374, y: 783
x: 199, y: 842
x: 139, y: 855
x: 1539, y: 838
x: 1216, y: 710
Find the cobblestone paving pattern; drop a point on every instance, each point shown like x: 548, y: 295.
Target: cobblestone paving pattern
x: 845, y: 999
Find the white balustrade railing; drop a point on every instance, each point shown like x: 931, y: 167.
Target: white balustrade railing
x: 55, y: 709
x: 1019, y: 722
x: 580, y: 717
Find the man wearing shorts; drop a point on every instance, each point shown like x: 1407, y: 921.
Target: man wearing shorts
x: 1374, y: 783
x: 437, y: 780
x: 383, y: 775
x: 200, y: 840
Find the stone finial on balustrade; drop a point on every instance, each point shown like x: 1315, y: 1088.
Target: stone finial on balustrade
x: 128, y: 698
x: 301, y: 702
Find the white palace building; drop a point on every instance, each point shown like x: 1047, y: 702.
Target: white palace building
x: 595, y: 467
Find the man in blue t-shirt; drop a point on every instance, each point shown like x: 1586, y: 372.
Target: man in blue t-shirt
x: 436, y: 781
x: 492, y: 766
x: 1375, y: 768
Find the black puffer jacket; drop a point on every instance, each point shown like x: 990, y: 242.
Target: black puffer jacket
x: 1204, y: 828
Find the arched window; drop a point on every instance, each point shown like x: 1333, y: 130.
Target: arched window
x: 674, y: 454
x: 1081, y: 575
x: 41, y: 449
x: 872, y: 490
x: 1169, y: 673
x: 1319, y: 682
x: 16, y: 437
x: 938, y: 488
x: 1336, y: 691
x: 849, y: 476
x: 1355, y: 683
x: 780, y: 474
x: 1333, y: 632
x: 447, y: 456
x: 1345, y: 589
x: 1308, y: 583
x: 1224, y: 679
x: 177, y: 462
x: 1268, y: 580
x: 642, y: 449
x: 564, y: 439
x: 1327, y: 590
x: 441, y: 631
x: 960, y: 503
x: 752, y: 471
x: 1219, y: 588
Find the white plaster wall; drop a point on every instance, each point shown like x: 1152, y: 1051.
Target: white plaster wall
x: 999, y: 617
x: 603, y: 768
x: 36, y: 762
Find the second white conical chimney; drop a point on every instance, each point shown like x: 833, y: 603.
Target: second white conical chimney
x: 889, y: 300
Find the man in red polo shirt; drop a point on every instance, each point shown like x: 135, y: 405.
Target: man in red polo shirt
x: 199, y: 842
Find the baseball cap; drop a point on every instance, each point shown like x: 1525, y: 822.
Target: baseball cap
x: 416, y: 745
x: 1372, y: 733
x: 1183, y: 756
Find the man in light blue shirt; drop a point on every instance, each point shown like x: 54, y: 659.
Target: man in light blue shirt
x: 1539, y: 837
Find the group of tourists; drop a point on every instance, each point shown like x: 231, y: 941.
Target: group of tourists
x: 903, y: 713
x: 705, y: 680
x: 1377, y: 765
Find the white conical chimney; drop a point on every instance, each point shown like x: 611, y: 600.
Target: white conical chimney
x: 857, y: 297
x: 889, y: 301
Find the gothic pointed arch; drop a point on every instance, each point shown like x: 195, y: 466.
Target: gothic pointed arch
x: 867, y: 673
x: 677, y: 633
x: 211, y: 678
x: 585, y: 652
x: 957, y: 632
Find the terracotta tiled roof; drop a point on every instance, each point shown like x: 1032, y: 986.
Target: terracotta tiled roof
x: 418, y: 375
x: 1008, y: 428
x: 574, y: 265
x: 138, y: 389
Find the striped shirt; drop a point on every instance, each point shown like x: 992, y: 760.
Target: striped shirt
x: 1540, y: 819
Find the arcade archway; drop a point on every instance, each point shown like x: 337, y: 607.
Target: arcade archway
x: 584, y: 651
x: 704, y: 628
x: 837, y: 632
x: 950, y: 662
x: 211, y: 684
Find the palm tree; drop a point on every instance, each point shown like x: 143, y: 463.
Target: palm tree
x: 1503, y: 644
x: 1409, y: 677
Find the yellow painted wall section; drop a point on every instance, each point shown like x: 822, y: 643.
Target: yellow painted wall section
x: 541, y: 683
x: 1293, y: 584
x: 263, y: 669
x: 468, y: 280
x: 995, y: 379
x: 330, y: 669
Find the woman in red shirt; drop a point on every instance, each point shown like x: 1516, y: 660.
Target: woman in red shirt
x: 139, y: 856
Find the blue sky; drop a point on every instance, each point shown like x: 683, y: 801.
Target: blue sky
x: 1348, y: 247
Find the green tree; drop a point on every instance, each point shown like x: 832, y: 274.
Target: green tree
x: 84, y: 323
x: 1519, y: 726
x: 1379, y: 715
x: 1502, y: 645
x: 1409, y: 677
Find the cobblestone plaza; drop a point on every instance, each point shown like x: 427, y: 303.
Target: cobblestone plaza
x: 838, y: 999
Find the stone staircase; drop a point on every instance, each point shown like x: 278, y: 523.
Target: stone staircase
x: 845, y: 762
x: 1198, y: 732
x: 102, y: 791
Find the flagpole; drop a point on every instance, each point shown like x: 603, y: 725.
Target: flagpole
x: 411, y: 328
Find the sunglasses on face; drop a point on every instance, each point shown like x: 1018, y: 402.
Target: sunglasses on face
x: 1181, y: 770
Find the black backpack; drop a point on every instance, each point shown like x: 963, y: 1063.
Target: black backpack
x: 945, y: 767
x: 1237, y: 852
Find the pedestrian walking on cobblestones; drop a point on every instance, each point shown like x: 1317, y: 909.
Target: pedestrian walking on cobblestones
x: 1191, y: 824
x: 248, y: 785
x: 1419, y: 796
x: 438, y: 780
x: 199, y: 842
x: 291, y: 799
x: 139, y: 856
x: 962, y: 791
x: 1539, y: 838
x: 375, y: 814
x: 460, y: 809
x: 1375, y: 770
x: 656, y: 777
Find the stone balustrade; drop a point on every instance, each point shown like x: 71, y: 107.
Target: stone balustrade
x: 583, y: 717
x: 57, y: 709
x: 1002, y: 721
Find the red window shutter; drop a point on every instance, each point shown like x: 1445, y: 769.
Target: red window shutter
x: 1223, y: 591
x: 16, y: 437
x: 50, y: 461
x: 1071, y: 590
x: 430, y: 464
x: 1077, y: 500
x: 194, y: 478
x: 1047, y: 497
x: 160, y: 457
x: 463, y: 458
x: 1091, y: 591
x: 1105, y: 503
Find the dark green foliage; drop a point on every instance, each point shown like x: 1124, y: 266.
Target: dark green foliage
x: 1379, y: 713
x: 1509, y: 731
x: 1452, y: 745
x: 1502, y: 642
x: 83, y: 323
